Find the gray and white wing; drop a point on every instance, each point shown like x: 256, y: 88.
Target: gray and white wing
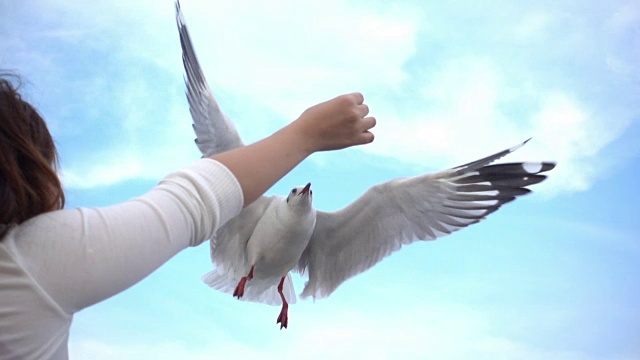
x: 215, y: 133
x: 401, y: 211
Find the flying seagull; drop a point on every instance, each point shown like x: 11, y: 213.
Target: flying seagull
x: 255, y: 252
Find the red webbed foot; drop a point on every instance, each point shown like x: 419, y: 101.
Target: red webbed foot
x: 239, y: 291
x: 283, y: 319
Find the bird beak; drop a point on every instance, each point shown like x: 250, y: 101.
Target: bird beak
x: 305, y: 189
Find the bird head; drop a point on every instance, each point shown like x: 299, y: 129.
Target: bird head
x: 300, y: 196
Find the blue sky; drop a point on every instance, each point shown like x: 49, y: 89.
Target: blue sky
x: 554, y: 275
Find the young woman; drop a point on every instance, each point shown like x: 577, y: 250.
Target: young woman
x: 55, y: 262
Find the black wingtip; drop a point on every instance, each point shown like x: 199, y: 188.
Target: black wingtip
x: 489, y: 159
x: 548, y: 165
x: 179, y: 16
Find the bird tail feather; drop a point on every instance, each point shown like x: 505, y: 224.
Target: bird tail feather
x: 256, y: 290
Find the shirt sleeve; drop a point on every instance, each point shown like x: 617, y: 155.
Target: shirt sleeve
x: 83, y: 256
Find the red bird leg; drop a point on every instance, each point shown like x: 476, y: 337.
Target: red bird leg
x: 239, y: 291
x: 282, y: 318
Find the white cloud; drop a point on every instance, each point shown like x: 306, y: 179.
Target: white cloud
x: 463, y: 108
x: 547, y: 72
x: 272, y: 57
x: 110, y: 170
x: 287, y: 60
x: 462, y: 118
x: 139, y: 152
x: 439, y: 332
x: 574, y: 137
x: 444, y: 89
x: 533, y: 26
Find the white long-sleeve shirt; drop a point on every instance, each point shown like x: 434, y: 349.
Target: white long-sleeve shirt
x: 60, y: 262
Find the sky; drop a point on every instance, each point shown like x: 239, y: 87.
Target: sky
x: 553, y: 275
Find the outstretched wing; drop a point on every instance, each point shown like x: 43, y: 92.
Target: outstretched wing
x: 215, y: 133
x: 401, y: 211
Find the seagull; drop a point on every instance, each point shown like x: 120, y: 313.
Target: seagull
x: 256, y: 251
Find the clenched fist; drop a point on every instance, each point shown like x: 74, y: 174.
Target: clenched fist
x: 335, y: 124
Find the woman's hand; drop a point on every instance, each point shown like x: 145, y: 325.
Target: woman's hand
x: 335, y: 124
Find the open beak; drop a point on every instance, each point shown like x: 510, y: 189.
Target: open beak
x: 305, y: 189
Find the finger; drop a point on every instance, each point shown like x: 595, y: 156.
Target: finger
x: 363, y: 109
x: 358, y: 97
x: 368, y: 123
x: 365, y: 138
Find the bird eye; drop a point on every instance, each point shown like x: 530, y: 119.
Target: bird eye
x: 311, y: 192
x: 294, y: 191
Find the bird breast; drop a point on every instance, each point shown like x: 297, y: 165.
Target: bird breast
x: 279, y: 239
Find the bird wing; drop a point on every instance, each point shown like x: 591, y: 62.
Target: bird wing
x: 215, y: 133
x: 389, y: 215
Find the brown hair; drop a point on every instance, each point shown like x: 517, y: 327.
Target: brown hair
x: 29, y: 185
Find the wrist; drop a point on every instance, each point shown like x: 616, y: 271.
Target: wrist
x: 298, y: 141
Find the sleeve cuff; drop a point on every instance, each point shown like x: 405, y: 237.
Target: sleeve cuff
x: 224, y: 188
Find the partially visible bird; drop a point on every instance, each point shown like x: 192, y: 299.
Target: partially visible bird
x: 255, y: 251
